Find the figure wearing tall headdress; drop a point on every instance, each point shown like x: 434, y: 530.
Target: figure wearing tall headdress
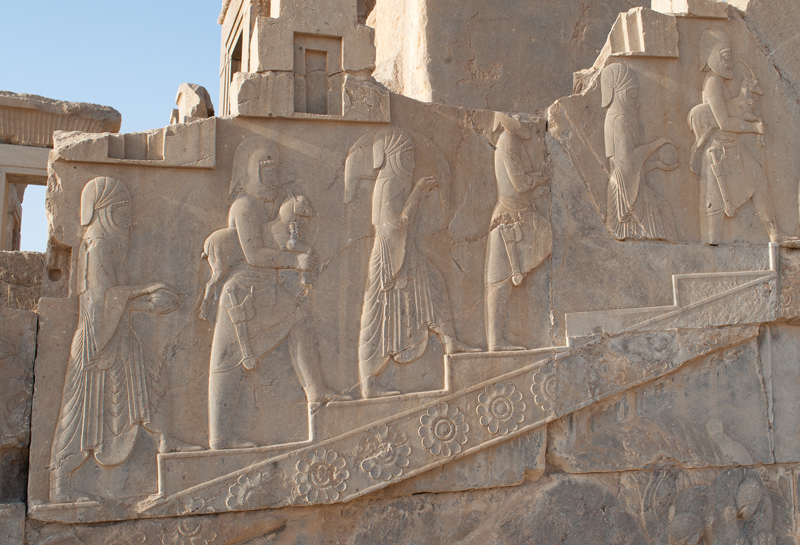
x: 106, y: 396
x: 405, y: 300
x: 633, y: 210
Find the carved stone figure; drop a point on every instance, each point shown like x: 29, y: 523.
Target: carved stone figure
x: 258, y: 308
x: 519, y: 238
x: 106, y: 391
x: 729, y: 174
x: 405, y: 299
x: 634, y: 210
x: 734, y: 510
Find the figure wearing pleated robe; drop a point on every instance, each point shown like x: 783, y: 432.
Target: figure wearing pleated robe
x: 105, y: 397
x: 405, y: 300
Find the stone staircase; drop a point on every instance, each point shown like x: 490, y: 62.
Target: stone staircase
x: 360, y: 446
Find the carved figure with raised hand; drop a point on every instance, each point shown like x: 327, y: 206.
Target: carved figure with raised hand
x: 106, y: 392
x: 405, y: 300
x: 729, y: 174
x: 258, y: 308
x: 634, y: 210
x: 520, y: 239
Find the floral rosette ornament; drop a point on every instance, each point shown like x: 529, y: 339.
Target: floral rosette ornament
x: 389, y: 452
x: 500, y: 408
x: 246, y: 490
x: 189, y: 532
x: 544, y: 388
x: 443, y: 429
x: 321, y: 476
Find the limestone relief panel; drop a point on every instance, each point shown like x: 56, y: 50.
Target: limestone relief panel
x: 248, y: 335
x: 750, y: 505
x: 719, y: 120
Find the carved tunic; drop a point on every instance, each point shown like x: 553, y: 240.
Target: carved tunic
x: 272, y: 310
x: 105, y: 392
x: 740, y: 172
x: 534, y: 238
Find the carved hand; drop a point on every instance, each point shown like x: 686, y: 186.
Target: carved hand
x: 305, y: 262
x: 427, y: 182
x: 160, y: 300
x: 761, y: 127
x: 403, y: 223
x: 249, y: 363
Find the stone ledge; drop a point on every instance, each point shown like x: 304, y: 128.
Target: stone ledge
x: 30, y: 120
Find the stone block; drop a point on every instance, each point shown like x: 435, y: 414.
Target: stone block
x: 712, y: 9
x: 21, y: 279
x: 17, y: 352
x: 12, y: 523
x: 30, y: 120
x: 269, y: 94
x: 644, y: 32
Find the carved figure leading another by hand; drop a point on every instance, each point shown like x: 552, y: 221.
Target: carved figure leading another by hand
x: 520, y: 239
x: 634, y: 210
x: 106, y: 392
x: 729, y: 174
x: 405, y: 300
x: 258, y: 308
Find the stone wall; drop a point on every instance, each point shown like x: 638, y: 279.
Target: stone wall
x: 21, y: 279
x: 427, y: 323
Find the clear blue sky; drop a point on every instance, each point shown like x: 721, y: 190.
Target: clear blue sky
x: 131, y: 56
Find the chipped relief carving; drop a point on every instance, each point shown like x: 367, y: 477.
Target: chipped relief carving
x: 729, y: 173
x: 405, y: 299
x: 520, y: 239
x: 107, y: 388
x: 257, y: 307
x: 634, y: 209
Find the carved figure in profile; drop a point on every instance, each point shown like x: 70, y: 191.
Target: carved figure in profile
x: 735, y: 509
x: 729, y: 174
x: 520, y: 239
x: 405, y: 299
x: 634, y: 210
x: 258, y: 308
x: 106, y: 393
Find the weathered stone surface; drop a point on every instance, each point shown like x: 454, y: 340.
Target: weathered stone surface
x: 713, y: 412
x: 17, y: 352
x: 457, y: 52
x: 12, y: 523
x: 578, y: 329
x: 21, y: 279
x: 30, y: 120
x: 656, y: 507
x: 193, y: 103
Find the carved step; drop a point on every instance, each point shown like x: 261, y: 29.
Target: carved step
x: 181, y: 471
x: 700, y: 300
x: 469, y: 419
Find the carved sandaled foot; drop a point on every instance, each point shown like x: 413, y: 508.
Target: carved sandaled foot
x: 788, y: 242
x: 370, y: 390
x: 454, y: 346
x: 233, y: 442
x: 170, y: 443
x: 504, y: 346
x: 326, y: 394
